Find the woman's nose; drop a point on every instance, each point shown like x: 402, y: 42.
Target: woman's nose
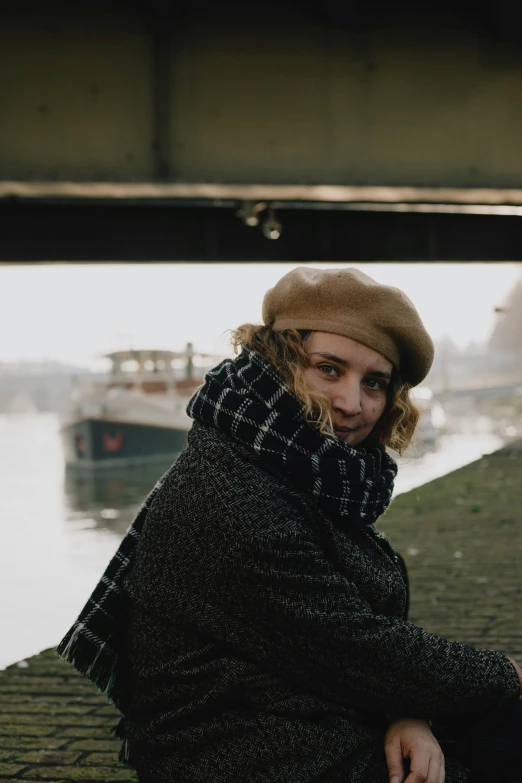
x: 347, y: 398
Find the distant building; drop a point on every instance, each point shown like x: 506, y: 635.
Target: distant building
x: 507, y: 335
x: 35, y: 386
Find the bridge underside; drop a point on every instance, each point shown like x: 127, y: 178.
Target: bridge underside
x: 134, y: 133
x: 94, y: 232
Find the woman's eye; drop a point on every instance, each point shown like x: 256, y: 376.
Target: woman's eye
x: 326, y: 368
x: 375, y: 385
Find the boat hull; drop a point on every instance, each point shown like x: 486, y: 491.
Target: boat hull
x: 104, y: 443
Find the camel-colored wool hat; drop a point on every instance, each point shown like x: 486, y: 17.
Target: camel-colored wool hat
x: 348, y: 302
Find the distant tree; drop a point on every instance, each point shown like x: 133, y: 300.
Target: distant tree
x: 474, y: 348
x: 446, y: 346
x: 507, y: 334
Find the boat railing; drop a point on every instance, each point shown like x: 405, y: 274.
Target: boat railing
x: 106, y: 400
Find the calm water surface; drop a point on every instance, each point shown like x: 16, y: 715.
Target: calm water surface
x: 59, y: 529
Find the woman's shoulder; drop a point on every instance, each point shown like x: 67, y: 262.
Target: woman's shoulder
x: 215, y: 471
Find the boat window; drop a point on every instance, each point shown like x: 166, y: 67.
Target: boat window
x: 149, y: 365
x: 131, y: 365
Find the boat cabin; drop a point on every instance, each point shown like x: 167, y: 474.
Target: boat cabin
x: 154, y: 371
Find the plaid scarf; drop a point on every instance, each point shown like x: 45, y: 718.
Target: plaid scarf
x: 95, y: 641
x: 246, y: 399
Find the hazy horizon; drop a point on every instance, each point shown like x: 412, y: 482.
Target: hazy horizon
x: 75, y: 313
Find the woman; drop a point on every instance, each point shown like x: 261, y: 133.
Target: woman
x: 262, y: 632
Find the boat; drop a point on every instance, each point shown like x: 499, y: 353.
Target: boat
x: 137, y: 415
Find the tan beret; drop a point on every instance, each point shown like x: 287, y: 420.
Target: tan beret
x: 348, y: 302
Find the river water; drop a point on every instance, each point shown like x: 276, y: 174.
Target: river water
x: 59, y: 529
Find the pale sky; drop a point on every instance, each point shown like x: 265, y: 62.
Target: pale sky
x: 74, y: 313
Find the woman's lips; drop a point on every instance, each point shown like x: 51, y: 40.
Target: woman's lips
x: 343, y: 431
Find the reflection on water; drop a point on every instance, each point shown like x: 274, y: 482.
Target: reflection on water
x: 58, y: 532
x: 449, y: 453
x: 108, y: 501
x: 60, y: 529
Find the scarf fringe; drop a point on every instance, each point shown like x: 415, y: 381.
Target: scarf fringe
x: 69, y: 645
x: 125, y: 755
x: 104, y: 676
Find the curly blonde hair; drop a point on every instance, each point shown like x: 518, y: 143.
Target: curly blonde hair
x: 286, y: 351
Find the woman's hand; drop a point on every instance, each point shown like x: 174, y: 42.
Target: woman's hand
x: 413, y: 739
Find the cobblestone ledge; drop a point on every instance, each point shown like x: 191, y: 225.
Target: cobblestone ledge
x: 55, y: 726
x: 461, y: 537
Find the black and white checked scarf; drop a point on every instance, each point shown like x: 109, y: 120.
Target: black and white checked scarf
x: 247, y: 399
x: 93, y: 644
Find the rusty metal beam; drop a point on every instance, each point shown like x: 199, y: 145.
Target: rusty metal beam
x: 161, y: 97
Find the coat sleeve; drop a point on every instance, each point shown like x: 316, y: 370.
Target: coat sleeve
x: 274, y: 596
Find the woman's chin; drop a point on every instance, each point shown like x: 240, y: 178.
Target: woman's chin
x: 352, y: 438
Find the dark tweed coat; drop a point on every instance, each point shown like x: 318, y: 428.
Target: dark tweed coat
x: 267, y: 642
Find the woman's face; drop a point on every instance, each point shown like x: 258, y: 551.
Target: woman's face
x: 354, y: 378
